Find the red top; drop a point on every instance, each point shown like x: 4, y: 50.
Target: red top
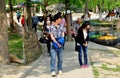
x: 23, y: 21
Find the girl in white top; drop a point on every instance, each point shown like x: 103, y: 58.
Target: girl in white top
x: 83, y: 35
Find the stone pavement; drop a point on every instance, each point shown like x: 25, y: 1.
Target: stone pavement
x: 94, y: 46
x: 71, y: 68
x: 40, y: 68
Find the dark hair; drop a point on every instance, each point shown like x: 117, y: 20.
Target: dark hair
x: 56, y: 17
x: 22, y: 15
x: 59, y: 13
x: 33, y: 14
x: 46, y: 20
x: 84, y: 25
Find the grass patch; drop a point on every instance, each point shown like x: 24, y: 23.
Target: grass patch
x: 96, y: 73
x: 104, y: 66
x: 15, y: 45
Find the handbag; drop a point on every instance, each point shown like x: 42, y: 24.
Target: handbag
x: 60, y: 40
x: 77, y: 47
x: 55, y: 45
x: 43, y: 38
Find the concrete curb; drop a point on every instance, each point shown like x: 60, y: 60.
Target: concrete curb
x: 94, y: 46
x: 33, y: 66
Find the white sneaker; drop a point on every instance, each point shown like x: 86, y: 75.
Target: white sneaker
x: 60, y: 72
x: 53, y: 74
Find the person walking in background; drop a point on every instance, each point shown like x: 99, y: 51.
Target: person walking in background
x: 47, y: 22
x: 23, y: 20
x: 64, y: 24
x: 46, y: 29
x: 23, y: 23
x: 57, y: 37
x: 83, y: 35
x: 63, y: 21
x: 18, y: 14
x: 34, y: 22
x: 76, y: 26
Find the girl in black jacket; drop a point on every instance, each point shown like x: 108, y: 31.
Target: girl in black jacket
x: 83, y: 35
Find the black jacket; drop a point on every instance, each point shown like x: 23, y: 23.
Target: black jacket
x: 80, y: 37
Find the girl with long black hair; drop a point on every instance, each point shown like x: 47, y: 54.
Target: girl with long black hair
x: 83, y: 35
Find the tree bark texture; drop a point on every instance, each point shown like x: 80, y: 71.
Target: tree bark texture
x: 12, y: 28
x: 4, y: 54
x: 86, y: 11
x: 118, y: 25
x: 68, y: 20
x: 31, y: 45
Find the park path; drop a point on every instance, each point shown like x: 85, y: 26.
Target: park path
x: 71, y: 68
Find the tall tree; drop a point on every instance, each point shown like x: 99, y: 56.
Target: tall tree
x: 31, y: 44
x: 12, y: 28
x: 45, y: 5
x: 4, y: 54
x: 86, y: 10
x: 68, y: 19
x: 118, y: 24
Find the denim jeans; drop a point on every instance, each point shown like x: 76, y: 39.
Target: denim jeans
x: 59, y: 53
x: 83, y: 51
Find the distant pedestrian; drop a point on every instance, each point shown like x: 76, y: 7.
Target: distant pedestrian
x: 18, y: 14
x: 63, y: 23
x: 83, y: 35
x: 57, y: 37
x: 76, y: 26
x: 46, y: 29
x: 34, y: 22
x: 23, y: 20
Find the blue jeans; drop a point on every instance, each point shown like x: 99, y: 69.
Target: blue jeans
x: 59, y: 53
x: 83, y: 50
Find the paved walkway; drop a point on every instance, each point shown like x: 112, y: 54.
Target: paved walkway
x: 94, y: 46
x: 71, y: 68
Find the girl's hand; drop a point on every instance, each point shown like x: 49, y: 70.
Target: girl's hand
x: 59, y: 45
x: 85, y: 44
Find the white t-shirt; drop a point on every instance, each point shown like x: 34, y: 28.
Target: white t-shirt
x: 85, y: 34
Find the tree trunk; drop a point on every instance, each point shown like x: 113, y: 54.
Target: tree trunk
x: 86, y: 11
x: 4, y: 54
x: 118, y: 25
x: 100, y: 10
x: 12, y: 28
x: 68, y: 20
x: 31, y: 45
x: 45, y: 5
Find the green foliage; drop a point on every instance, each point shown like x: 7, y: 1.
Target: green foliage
x: 78, y: 3
x: 55, y: 1
x: 15, y: 2
x: 92, y: 3
x: 115, y: 5
x: 105, y: 4
x: 15, y: 45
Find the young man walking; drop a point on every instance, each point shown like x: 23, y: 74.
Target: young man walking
x: 57, y: 37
